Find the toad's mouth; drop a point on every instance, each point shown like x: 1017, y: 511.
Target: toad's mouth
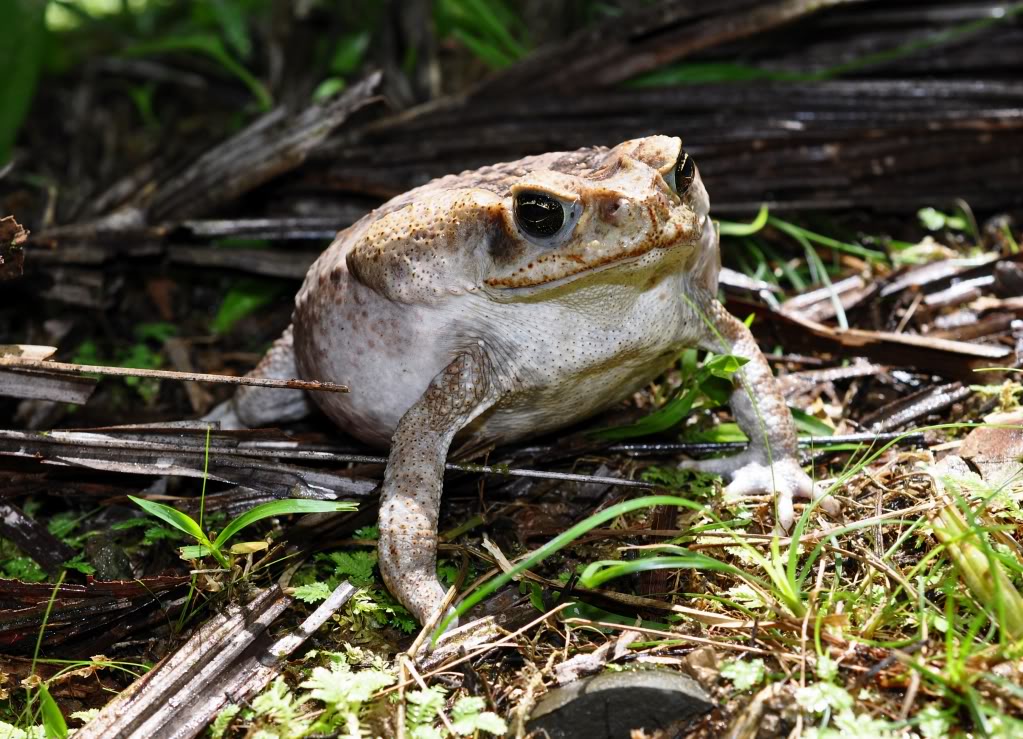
x: 559, y: 269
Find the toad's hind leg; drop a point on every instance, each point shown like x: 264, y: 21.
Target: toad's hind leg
x: 259, y: 406
x: 410, y: 497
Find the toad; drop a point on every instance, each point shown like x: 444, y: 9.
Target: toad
x: 509, y: 301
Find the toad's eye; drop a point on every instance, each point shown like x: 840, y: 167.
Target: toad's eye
x: 539, y: 215
x: 683, y: 174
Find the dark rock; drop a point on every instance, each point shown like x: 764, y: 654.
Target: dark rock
x: 613, y: 704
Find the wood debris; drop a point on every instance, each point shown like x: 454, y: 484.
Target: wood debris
x: 227, y: 660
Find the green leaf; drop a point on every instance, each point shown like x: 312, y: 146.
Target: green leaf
x: 468, y: 716
x: 744, y: 674
x: 492, y: 56
x: 724, y: 365
x: 492, y: 723
x: 328, y: 88
x: 670, y: 414
x: 179, y: 520
x: 79, y: 564
x: 231, y: 17
x: 484, y: 26
x: 22, y: 568
x: 246, y: 297
x: 797, y: 232
x: 718, y: 433
x: 717, y: 389
x: 349, y: 52
x: 194, y: 551
x: 154, y: 534
x: 313, y: 592
x: 810, y: 425
x: 279, y: 508
x: 931, y: 218
x: 158, y: 331
x: 53, y: 719
x: 493, y: 20
x: 223, y: 721
x: 22, y: 38
x: 356, y: 566
x: 934, y: 220
x: 713, y: 380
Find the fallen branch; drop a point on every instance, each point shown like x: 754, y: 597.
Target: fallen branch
x: 88, y: 369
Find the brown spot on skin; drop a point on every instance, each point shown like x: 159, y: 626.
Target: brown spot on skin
x: 504, y: 247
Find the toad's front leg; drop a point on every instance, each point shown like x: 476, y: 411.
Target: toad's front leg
x: 770, y: 464
x: 410, y: 497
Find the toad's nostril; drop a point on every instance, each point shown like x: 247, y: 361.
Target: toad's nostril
x: 616, y: 211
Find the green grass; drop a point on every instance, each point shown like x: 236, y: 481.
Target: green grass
x: 490, y: 29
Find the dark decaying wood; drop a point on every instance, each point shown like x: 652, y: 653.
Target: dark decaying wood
x: 643, y: 40
x: 907, y: 132
x: 228, y: 660
x: 231, y: 457
x: 909, y: 410
x: 178, y: 457
x: 34, y: 539
x: 46, y: 386
x: 832, y: 144
x: 953, y: 359
x: 94, y: 615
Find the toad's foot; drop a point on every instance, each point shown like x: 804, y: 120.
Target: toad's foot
x: 749, y: 475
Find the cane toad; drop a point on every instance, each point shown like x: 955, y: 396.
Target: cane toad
x: 512, y: 300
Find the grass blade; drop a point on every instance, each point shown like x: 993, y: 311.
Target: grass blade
x: 53, y: 719
x: 181, y: 521
x: 280, y: 508
x: 213, y: 48
x: 730, y: 228
x: 597, y: 573
x: 560, y: 542
x: 980, y: 570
